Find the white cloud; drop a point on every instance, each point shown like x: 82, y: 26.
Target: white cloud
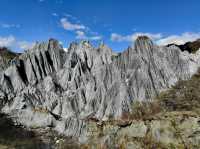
x: 14, y: 44
x: 68, y: 15
x: 55, y: 14
x: 95, y: 37
x: 133, y: 37
x: 7, y: 41
x: 82, y: 32
x: 5, y: 25
x: 82, y: 35
x: 25, y: 45
x: 158, y: 38
x: 67, y: 25
x: 179, y: 39
x: 118, y: 37
x: 71, y: 17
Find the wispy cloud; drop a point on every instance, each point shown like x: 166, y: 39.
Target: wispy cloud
x: 95, y: 38
x: 54, y: 14
x: 25, y: 44
x: 131, y: 38
x: 67, y: 15
x: 81, y: 31
x: 67, y: 25
x: 13, y: 43
x: 159, y: 38
x: 179, y: 39
x: 6, y: 25
x: 7, y: 41
x: 82, y: 35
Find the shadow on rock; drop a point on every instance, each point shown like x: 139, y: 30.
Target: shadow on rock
x: 12, y: 136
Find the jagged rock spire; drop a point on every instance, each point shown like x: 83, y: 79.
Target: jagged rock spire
x: 143, y: 44
x: 60, y: 89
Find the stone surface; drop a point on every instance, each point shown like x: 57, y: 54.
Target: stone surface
x: 48, y: 87
x: 171, y: 130
x: 137, y: 129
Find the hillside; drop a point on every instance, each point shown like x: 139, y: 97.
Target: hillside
x: 91, y: 94
x: 6, y: 55
x: 170, y: 121
x: 191, y: 47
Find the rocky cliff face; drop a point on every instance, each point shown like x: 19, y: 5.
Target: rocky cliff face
x: 191, y: 47
x: 48, y: 87
x: 5, y: 57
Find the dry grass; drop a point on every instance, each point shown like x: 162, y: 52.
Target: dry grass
x: 6, y: 53
x: 144, y: 110
x: 184, y: 96
x: 41, y: 110
x: 149, y: 143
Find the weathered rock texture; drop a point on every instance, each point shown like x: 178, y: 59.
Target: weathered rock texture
x: 165, y: 131
x: 6, y: 57
x: 48, y: 87
x: 191, y: 47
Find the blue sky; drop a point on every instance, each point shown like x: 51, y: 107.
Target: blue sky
x: 116, y: 22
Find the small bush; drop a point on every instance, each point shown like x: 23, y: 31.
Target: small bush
x: 144, y: 110
x: 41, y: 110
x: 184, y: 96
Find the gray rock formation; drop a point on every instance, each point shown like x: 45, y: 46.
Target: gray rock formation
x: 148, y: 68
x: 5, y: 57
x: 48, y: 87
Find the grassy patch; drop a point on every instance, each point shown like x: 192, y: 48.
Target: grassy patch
x: 7, y: 54
x: 184, y: 96
x: 145, y: 110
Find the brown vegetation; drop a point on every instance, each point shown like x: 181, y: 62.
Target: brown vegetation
x: 191, y: 47
x: 6, y: 53
x: 184, y: 96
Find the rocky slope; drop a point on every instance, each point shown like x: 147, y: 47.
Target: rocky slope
x: 48, y: 87
x: 5, y: 57
x: 174, y: 130
x: 170, y: 121
x: 191, y: 47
